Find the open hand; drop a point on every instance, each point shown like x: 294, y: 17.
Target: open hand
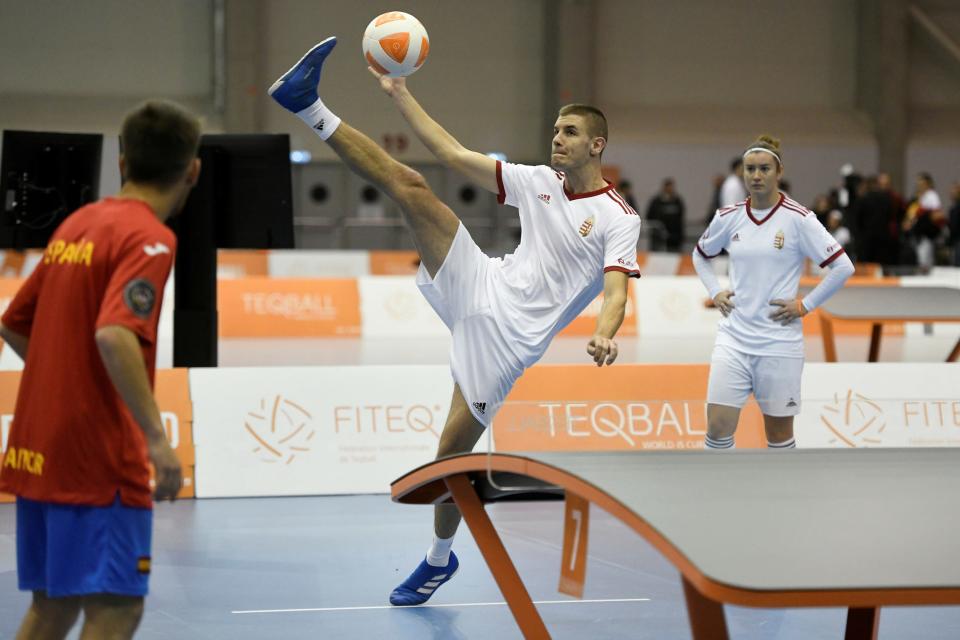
x: 389, y: 85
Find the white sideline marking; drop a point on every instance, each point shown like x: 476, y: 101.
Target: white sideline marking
x: 428, y: 606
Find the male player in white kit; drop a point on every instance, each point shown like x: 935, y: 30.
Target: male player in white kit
x: 579, y: 238
x: 759, y: 346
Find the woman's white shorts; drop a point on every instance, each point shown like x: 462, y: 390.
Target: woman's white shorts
x: 773, y: 380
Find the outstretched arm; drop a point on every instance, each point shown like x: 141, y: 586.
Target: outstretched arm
x: 480, y: 169
x: 602, y: 346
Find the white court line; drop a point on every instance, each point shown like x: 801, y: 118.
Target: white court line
x: 428, y: 606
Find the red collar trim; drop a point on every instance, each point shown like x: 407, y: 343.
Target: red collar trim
x: 768, y: 216
x: 589, y: 194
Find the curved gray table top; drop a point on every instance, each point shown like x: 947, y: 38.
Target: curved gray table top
x: 878, y: 303
x: 818, y: 519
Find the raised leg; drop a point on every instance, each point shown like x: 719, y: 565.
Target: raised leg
x: 431, y: 222
x: 516, y: 595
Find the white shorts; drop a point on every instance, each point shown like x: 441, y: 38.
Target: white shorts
x: 773, y: 380
x: 482, y: 364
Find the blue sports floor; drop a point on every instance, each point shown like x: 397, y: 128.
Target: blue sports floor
x: 322, y: 567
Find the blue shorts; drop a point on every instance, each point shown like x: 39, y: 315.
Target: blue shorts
x: 72, y: 550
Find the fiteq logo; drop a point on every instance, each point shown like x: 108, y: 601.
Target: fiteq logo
x: 280, y: 429
x: 291, y: 306
x: 360, y: 419
x: 854, y: 420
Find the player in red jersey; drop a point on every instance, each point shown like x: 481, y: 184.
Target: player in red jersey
x: 86, y: 425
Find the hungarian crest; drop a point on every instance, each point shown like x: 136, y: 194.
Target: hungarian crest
x: 778, y: 240
x: 586, y: 227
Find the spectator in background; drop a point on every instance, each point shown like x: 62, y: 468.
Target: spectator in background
x: 886, y: 185
x: 821, y: 207
x: 955, y: 223
x: 626, y: 190
x: 847, y: 194
x: 835, y: 226
x: 925, y: 220
x: 667, y: 209
x: 714, y: 204
x: 733, y: 190
x: 874, y: 222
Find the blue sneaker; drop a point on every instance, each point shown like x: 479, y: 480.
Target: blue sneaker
x: 421, y: 584
x: 297, y: 88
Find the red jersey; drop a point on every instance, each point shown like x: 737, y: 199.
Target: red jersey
x: 73, y: 439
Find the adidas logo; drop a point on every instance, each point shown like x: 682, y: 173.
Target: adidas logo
x: 545, y: 197
x: 156, y: 249
x: 481, y: 407
x: 736, y: 238
x: 319, y: 125
x: 792, y: 403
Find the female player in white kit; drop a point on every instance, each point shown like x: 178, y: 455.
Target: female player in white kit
x: 579, y: 238
x: 759, y: 346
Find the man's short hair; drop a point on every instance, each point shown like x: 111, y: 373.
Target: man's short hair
x: 158, y: 141
x: 736, y: 163
x: 596, y: 121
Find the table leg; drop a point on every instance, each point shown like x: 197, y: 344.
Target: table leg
x: 876, y: 332
x: 955, y: 353
x: 863, y: 623
x: 516, y: 595
x: 826, y: 330
x: 707, y: 621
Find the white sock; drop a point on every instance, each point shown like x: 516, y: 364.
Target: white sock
x: 718, y: 443
x: 323, y: 121
x: 438, y: 555
x: 786, y: 444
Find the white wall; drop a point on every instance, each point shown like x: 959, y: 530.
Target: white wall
x: 483, y: 79
x: 80, y: 65
x: 686, y: 84
x: 735, y: 52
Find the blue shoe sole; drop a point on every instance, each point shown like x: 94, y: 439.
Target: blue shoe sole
x: 280, y: 82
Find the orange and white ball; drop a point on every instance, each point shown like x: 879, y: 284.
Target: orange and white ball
x: 395, y: 44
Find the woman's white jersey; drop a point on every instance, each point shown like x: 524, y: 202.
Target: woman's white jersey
x: 767, y: 251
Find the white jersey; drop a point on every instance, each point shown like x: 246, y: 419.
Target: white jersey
x: 767, y: 250
x: 567, y: 243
